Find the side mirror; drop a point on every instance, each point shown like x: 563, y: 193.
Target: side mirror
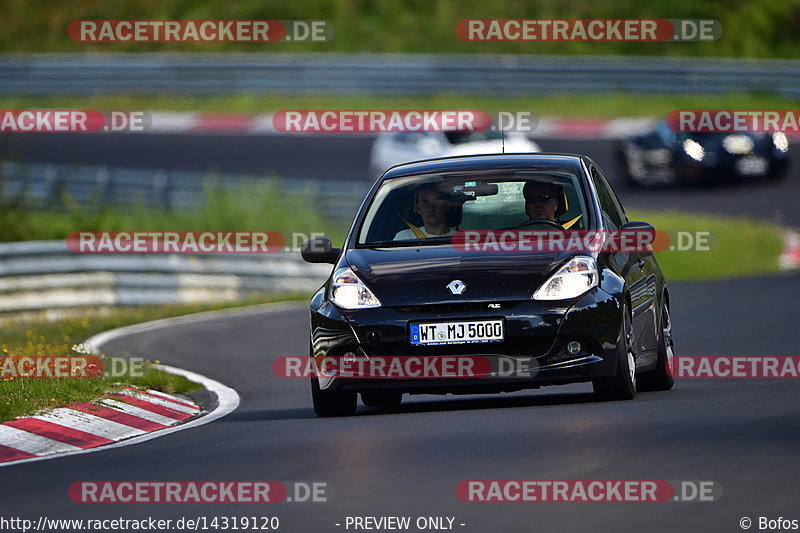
x: 638, y: 226
x: 638, y: 234
x: 319, y: 250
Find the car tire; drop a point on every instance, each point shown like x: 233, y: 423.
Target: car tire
x: 332, y: 402
x: 622, y: 385
x: 380, y: 398
x: 662, y: 378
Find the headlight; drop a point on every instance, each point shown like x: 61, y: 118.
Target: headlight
x: 780, y: 141
x: 349, y: 292
x: 738, y: 144
x: 694, y: 149
x: 569, y: 281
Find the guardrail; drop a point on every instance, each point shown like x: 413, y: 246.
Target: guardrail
x: 44, y: 185
x: 46, y: 275
x: 387, y: 74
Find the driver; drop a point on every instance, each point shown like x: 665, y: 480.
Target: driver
x: 541, y: 200
x: 432, y: 205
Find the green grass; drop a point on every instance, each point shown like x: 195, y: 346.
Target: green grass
x: 41, y: 337
x: 610, y: 105
x: 738, y: 246
x: 255, y: 207
x: 763, y: 28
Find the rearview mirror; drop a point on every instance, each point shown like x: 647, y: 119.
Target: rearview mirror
x: 319, y: 250
x: 484, y: 189
x: 473, y: 190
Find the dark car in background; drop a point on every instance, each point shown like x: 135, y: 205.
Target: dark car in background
x: 573, y: 316
x: 663, y: 157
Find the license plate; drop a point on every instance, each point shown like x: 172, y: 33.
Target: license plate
x: 752, y: 166
x: 457, y: 332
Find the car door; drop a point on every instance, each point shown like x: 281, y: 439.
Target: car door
x: 642, y: 280
x: 631, y: 265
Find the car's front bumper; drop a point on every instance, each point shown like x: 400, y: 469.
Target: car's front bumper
x: 723, y: 167
x: 533, y: 352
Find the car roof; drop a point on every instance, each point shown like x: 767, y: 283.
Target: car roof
x: 468, y: 163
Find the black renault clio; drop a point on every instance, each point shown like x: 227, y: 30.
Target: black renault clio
x: 405, y: 287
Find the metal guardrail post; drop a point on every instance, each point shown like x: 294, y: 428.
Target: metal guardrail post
x: 104, y: 186
x: 161, y: 187
x: 210, y: 184
x: 55, y: 186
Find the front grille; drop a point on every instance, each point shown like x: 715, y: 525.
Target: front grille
x: 458, y: 308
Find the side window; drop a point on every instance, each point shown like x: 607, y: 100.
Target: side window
x: 612, y: 211
x: 613, y: 196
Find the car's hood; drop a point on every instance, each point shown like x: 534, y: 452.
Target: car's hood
x: 420, y: 275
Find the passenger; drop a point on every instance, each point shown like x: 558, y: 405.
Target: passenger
x: 432, y: 205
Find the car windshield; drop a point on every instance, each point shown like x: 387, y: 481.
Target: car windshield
x: 430, y: 209
x: 463, y: 137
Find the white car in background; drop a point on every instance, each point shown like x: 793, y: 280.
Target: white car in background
x: 395, y: 148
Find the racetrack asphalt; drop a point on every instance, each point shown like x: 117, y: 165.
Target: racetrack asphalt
x: 332, y: 157
x: 741, y: 433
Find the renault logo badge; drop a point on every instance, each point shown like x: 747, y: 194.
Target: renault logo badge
x: 456, y: 286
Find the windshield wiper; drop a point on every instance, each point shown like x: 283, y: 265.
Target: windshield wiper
x: 444, y: 239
